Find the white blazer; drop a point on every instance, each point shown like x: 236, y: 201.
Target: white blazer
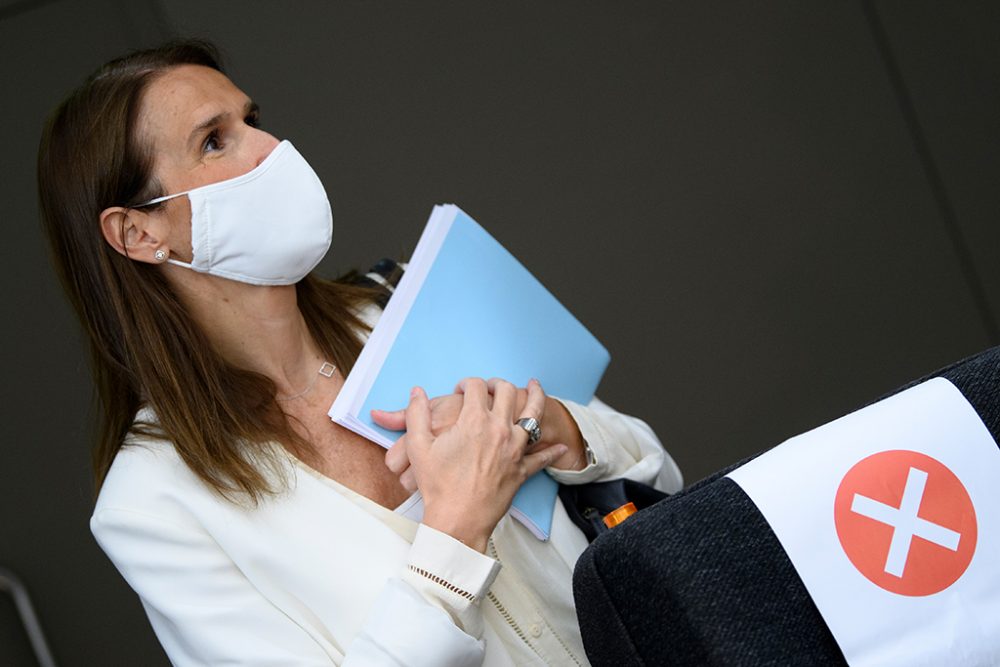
x: 317, y: 576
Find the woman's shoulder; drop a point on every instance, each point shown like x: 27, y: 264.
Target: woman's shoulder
x: 147, y: 474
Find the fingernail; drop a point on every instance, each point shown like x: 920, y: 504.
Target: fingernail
x: 414, y: 392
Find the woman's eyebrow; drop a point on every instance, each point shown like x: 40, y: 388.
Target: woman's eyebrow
x: 248, y: 107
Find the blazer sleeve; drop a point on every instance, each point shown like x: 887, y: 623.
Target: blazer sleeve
x: 205, y: 611
x: 623, y: 446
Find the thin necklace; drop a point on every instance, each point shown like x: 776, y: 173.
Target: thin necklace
x: 326, y: 370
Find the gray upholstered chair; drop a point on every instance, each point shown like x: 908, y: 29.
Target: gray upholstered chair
x: 701, y: 579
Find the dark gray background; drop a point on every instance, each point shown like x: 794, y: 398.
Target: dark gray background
x: 770, y: 212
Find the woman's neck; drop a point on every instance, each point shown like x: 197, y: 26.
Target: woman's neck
x: 257, y: 328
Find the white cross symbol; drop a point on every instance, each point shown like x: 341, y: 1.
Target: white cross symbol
x: 905, y: 522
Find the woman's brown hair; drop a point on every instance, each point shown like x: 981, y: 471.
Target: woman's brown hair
x: 145, y: 349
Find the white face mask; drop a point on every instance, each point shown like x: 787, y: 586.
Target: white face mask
x: 270, y: 226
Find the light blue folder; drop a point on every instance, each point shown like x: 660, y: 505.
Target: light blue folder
x: 479, y: 312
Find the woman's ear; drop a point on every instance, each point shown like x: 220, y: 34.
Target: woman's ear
x: 135, y: 234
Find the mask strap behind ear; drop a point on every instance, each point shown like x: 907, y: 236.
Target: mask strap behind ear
x: 178, y: 262
x: 160, y: 199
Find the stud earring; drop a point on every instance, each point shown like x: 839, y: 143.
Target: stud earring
x: 160, y: 255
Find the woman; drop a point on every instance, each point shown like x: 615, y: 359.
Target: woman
x: 255, y: 530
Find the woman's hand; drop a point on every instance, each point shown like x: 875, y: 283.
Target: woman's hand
x: 557, y: 426
x: 444, y: 414
x: 469, y: 473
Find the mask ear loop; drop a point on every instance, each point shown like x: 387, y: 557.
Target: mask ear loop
x: 151, y: 202
x: 156, y: 201
x: 164, y: 198
x: 159, y: 200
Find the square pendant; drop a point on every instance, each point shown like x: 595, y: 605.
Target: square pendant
x: 327, y: 369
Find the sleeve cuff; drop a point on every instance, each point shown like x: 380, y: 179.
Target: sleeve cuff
x: 442, y: 560
x: 596, y: 439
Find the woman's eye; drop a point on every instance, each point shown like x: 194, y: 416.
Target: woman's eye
x: 253, y: 119
x: 212, y: 142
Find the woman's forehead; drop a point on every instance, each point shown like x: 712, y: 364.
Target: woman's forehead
x: 184, y: 98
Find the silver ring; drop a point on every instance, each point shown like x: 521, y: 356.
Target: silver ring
x: 530, y: 424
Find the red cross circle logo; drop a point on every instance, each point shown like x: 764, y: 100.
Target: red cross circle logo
x: 906, y: 522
